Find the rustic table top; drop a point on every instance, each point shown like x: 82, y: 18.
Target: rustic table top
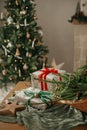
x: 9, y: 126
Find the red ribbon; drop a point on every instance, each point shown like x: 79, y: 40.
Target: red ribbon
x: 43, y: 75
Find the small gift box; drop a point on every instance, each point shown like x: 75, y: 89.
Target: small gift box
x: 34, y: 97
x: 43, y: 79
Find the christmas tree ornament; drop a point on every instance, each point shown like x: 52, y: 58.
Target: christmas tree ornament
x: 10, y: 79
x: 8, y: 40
x: 17, y: 52
x: 5, y: 41
x: 25, y: 22
x: 27, y: 35
x: 32, y: 2
x: 38, y: 43
x: 35, y: 17
x: 9, y: 45
x: 23, y: 12
x: 19, y: 73
x: 9, y: 20
x: 27, y: 7
x: 25, y: 67
x: 17, y: 26
x: 23, y: 0
x: 16, y: 2
x: 15, y: 68
x: 4, y: 72
x: 28, y: 54
x: 20, y: 61
x: 40, y: 32
x: 33, y: 43
x: 8, y: 55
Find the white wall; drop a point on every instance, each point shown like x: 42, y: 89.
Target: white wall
x: 53, y: 16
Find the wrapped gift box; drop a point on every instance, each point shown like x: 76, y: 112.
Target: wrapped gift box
x: 49, y: 74
x: 31, y: 96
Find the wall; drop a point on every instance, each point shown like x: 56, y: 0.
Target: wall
x: 53, y: 17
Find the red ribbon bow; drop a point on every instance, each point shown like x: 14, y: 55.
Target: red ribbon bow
x: 43, y: 75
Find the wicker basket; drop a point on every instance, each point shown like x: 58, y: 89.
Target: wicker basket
x: 80, y: 104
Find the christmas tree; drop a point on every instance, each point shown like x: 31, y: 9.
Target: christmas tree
x: 22, y: 50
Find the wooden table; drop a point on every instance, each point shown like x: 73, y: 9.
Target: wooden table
x: 8, y: 126
x: 80, y: 128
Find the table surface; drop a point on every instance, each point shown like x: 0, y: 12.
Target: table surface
x: 8, y: 126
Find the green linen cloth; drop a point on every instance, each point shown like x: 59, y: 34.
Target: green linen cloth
x: 58, y: 117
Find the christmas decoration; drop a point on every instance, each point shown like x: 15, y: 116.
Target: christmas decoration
x: 17, y: 26
x: 83, y: 4
x: 54, y: 65
x: 19, y: 73
x: 25, y: 67
x: 25, y: 22
x: 9, y: 20
x: 4, y: 72
x: 73, y: 86
x: 34, y: 98
x: 28, y: 54
x: 58, y: 67
x: 23, y: 0
x: 16, y: 2
x: 9, y: 45
x: 40, y: 31
x: 17, y: 52
x: 27, y: 35
x: 10, y: 109
x: 33, y: 43
x: 22, y: 49
x: 80, y: 16
x: 38, y: 79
